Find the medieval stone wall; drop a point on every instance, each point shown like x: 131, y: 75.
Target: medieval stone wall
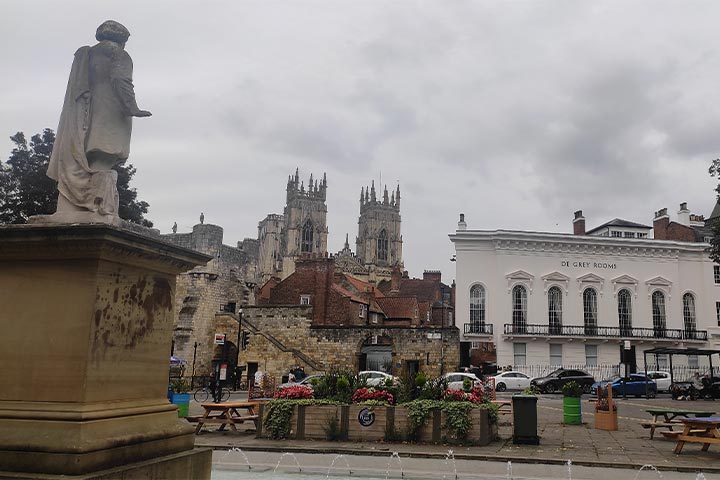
x: 206, y: 290
x: 336, y: 347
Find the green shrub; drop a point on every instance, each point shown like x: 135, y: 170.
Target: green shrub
x: 467, y: 384
x: 572, y: 389
x: 332, y: 428
x: 180, y: 385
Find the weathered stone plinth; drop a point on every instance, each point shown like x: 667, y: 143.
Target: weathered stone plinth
x: 86, y: 315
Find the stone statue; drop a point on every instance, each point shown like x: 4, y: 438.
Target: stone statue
x: 202, y: 218
x: 94, y: 130
x: 174, y: 228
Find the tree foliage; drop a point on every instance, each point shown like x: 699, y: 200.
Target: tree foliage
x: 714, y: 250
x: 26, y: 190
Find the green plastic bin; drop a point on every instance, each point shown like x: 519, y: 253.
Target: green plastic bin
x: 572, y: 412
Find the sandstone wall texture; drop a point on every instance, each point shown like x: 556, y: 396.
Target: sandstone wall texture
x: 283, y: 336
x: 223, y: 284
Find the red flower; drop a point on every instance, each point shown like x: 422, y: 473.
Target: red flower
x: 475, y: 395
x: 364, y: 394
x: 293, y: 392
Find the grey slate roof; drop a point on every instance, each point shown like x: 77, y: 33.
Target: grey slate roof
x: 618, y: 222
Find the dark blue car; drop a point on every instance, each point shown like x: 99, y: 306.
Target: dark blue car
x: 636, y: 384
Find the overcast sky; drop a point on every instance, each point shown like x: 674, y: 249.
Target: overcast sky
x: 516, y: 113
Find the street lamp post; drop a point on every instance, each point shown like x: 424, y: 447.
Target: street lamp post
x: 192, y: 379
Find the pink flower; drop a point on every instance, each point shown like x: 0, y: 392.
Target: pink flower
x: 293, y: 392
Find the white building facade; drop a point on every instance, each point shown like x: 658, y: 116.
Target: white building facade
x: 562, y: 299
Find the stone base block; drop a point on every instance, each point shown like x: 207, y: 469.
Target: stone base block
x: 188, y: 465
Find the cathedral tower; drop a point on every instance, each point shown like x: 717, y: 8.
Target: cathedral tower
x: 379, y: 241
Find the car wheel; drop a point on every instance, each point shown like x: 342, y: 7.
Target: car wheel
x: 587, y: 388
x: 500, y: 387
x: 651, y: 394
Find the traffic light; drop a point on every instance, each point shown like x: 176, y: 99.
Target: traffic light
x: 244, y: 340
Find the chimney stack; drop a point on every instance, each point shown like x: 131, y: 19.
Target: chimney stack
x: 579, y: 223
x: 684, y: 215
x: 660, y: 224
x: 461, y: 224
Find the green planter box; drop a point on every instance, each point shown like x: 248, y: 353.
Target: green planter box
x: 572, y: 413
x: 182, y: 400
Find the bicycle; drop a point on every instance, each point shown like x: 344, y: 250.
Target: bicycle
x: 204, y: 393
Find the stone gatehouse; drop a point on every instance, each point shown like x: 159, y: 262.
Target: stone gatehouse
x: 281, y: 337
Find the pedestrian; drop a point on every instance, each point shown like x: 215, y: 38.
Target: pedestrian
x: 291, y: 376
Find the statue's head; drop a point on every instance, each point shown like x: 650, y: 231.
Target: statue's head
x: 113, y: 31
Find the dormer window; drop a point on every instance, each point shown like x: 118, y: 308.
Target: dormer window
x: 363, y: 311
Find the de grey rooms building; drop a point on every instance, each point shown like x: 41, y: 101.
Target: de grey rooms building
x: 577, y: 299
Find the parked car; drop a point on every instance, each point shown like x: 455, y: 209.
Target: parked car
x: 307, y: 381
x: 636, y: 384
x: 511, y: 380
x: 375, y: 378
x: 455, y: 380
x: 554, y: 381
x: 662, y: 379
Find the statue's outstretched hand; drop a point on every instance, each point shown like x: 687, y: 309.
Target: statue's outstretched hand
x: 142, y: 113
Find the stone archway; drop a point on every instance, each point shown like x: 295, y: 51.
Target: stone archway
x: 376, y: 353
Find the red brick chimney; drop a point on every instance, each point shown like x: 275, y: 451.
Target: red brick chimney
x: 660, y: 224
x: 579, y: 223
x: 432, y: 275
x: 395, y: 280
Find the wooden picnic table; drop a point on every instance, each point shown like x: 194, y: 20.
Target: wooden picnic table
x: 228, y: 413
x: 699, y: 430
x: 670, y: 417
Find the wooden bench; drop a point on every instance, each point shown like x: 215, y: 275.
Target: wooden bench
x: 676, y: 433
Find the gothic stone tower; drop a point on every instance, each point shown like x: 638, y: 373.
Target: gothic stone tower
x: 305, y: 231
x: 379, y: 241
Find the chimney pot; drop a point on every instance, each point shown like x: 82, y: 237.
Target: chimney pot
x: 579, y: 223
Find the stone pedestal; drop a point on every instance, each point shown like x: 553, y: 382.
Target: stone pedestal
x: 86, y: 315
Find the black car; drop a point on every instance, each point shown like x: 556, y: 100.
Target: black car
x: 554, y: 381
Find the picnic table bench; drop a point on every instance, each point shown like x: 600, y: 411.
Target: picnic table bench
x: 504, y: 406
x: 228, y: 413
x: 669, y: 418
x: 699, y: 430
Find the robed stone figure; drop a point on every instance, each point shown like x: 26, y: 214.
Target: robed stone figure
x: 94, y: 130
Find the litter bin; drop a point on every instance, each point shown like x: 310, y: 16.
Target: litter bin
x: 525, y: 419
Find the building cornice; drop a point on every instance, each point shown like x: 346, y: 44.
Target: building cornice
x: 560, y: 243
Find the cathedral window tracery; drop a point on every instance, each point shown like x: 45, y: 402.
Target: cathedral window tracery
x: 306, y: 246
x: 382, y: 246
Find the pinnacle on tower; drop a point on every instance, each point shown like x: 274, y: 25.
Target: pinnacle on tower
x: 310, y: 184
x: 297, y: 175
x: 324, y: 182
x: 347, y: 245
x: 397, y: 197
x: 372, y: 192
x: 385, y: 196
x: 392, y: 199
x: 302, y: 186
x: 362, y: 195
x: 367, y: 195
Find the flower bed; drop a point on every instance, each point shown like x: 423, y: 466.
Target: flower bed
x: 423, y: 421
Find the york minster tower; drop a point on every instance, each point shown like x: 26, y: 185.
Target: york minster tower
x: 379, y: 240
x: 300, y: 230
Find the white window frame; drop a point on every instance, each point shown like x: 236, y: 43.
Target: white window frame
x: 304, y: 299
x: 519, y: 353
x: 363, y: 310
x: 591, y: 354
x: 556, y: 354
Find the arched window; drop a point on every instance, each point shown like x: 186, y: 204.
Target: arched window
x: 590, y: 311
x: 519, y: 312
x: 658, y: 313
x: 382, y: 246
x: 689, y: 315
x: 477, y: 308
x: 555, y: 310
x: 625, y: 312
x: 306, y: 246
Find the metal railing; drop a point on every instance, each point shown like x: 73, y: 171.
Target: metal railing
x: 598, y: 331
x: 478, y: 328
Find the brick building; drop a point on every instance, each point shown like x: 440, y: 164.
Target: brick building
x: 321, y: 318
